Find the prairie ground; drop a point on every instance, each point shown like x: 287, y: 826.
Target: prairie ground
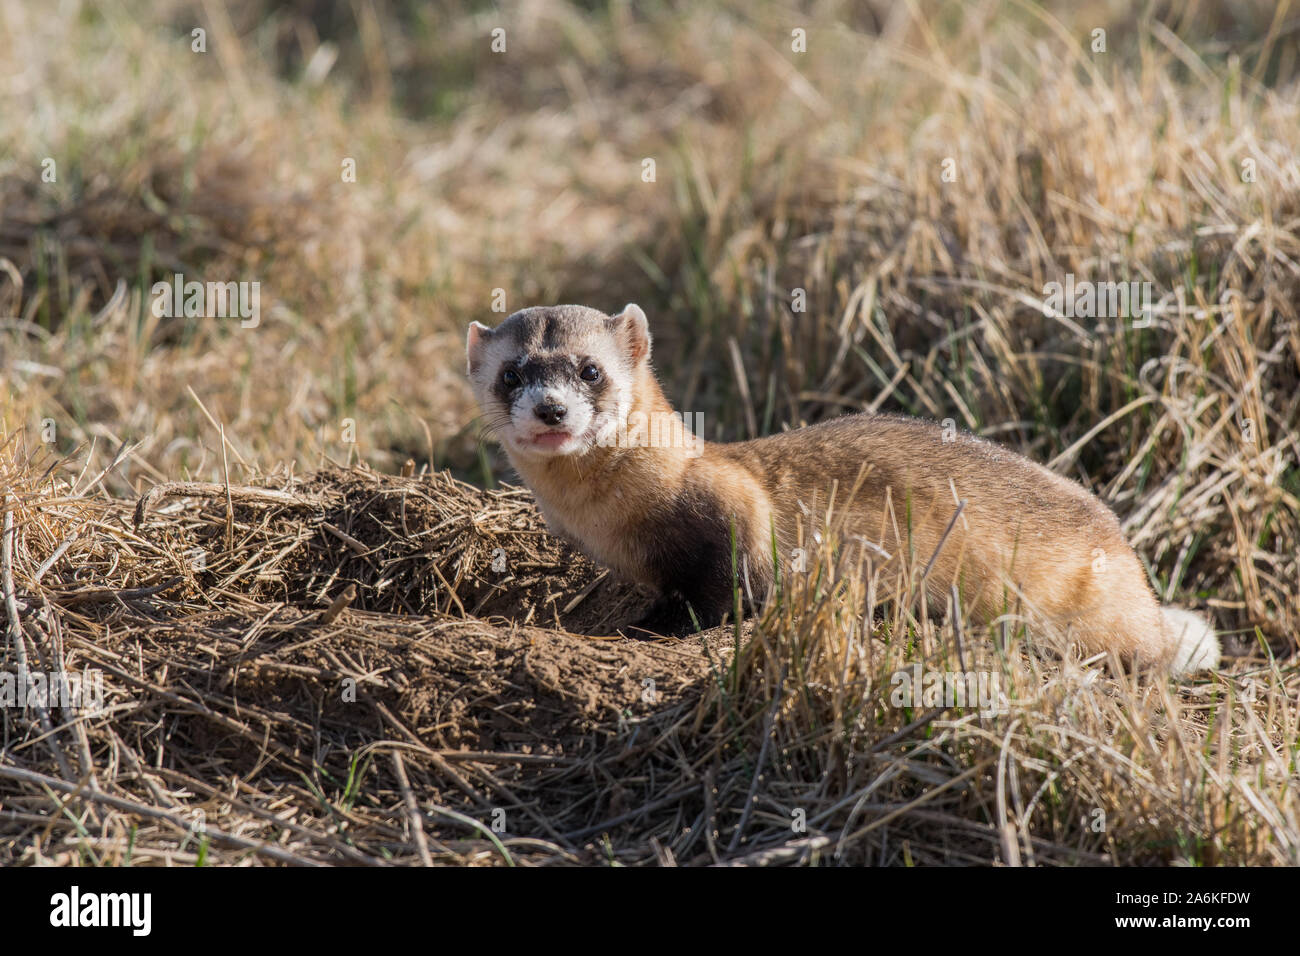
x: 311, y: 652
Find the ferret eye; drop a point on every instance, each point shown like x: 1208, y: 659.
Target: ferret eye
x: 510, y: 378
x: 590, y: 374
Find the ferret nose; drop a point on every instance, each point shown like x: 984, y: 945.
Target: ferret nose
x: 551, y: 414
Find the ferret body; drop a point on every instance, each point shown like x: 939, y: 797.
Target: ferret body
x: 559, y: 385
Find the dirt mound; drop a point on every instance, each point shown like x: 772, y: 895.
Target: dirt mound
x: 429, y: 545
x: 238, y: 683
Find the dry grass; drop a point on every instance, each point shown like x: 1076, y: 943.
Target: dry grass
x: 475, y: 691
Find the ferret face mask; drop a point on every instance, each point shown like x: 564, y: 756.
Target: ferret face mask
x: 556, y: 380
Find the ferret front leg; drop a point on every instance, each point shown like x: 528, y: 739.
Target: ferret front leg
x: 671, y: 614
x: 668, y: 617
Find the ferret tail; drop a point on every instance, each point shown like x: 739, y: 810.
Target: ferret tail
x: 1196, y: 648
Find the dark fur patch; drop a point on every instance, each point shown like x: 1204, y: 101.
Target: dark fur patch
x: 551, y: 369
x: 552, y: 327
x: 688, y: 548
x: 545, y: 337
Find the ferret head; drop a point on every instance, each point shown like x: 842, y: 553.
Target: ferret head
x: 555, y: 380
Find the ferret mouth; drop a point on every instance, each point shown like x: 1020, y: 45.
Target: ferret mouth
x: 551, y: 439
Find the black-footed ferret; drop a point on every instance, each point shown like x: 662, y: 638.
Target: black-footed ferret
x: 570, y: 393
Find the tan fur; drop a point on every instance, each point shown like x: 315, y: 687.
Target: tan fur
x: 1026, y: 538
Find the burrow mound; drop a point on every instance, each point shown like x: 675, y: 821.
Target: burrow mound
x: 409, y: 546
x: 276, y: 645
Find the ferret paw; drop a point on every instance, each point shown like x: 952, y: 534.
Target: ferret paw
x: 667, y: 617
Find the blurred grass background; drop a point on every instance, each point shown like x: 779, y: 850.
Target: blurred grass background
x: 800, y: 253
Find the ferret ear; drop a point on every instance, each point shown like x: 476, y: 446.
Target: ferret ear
x: 474, y: 341
x: 633, y: 330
